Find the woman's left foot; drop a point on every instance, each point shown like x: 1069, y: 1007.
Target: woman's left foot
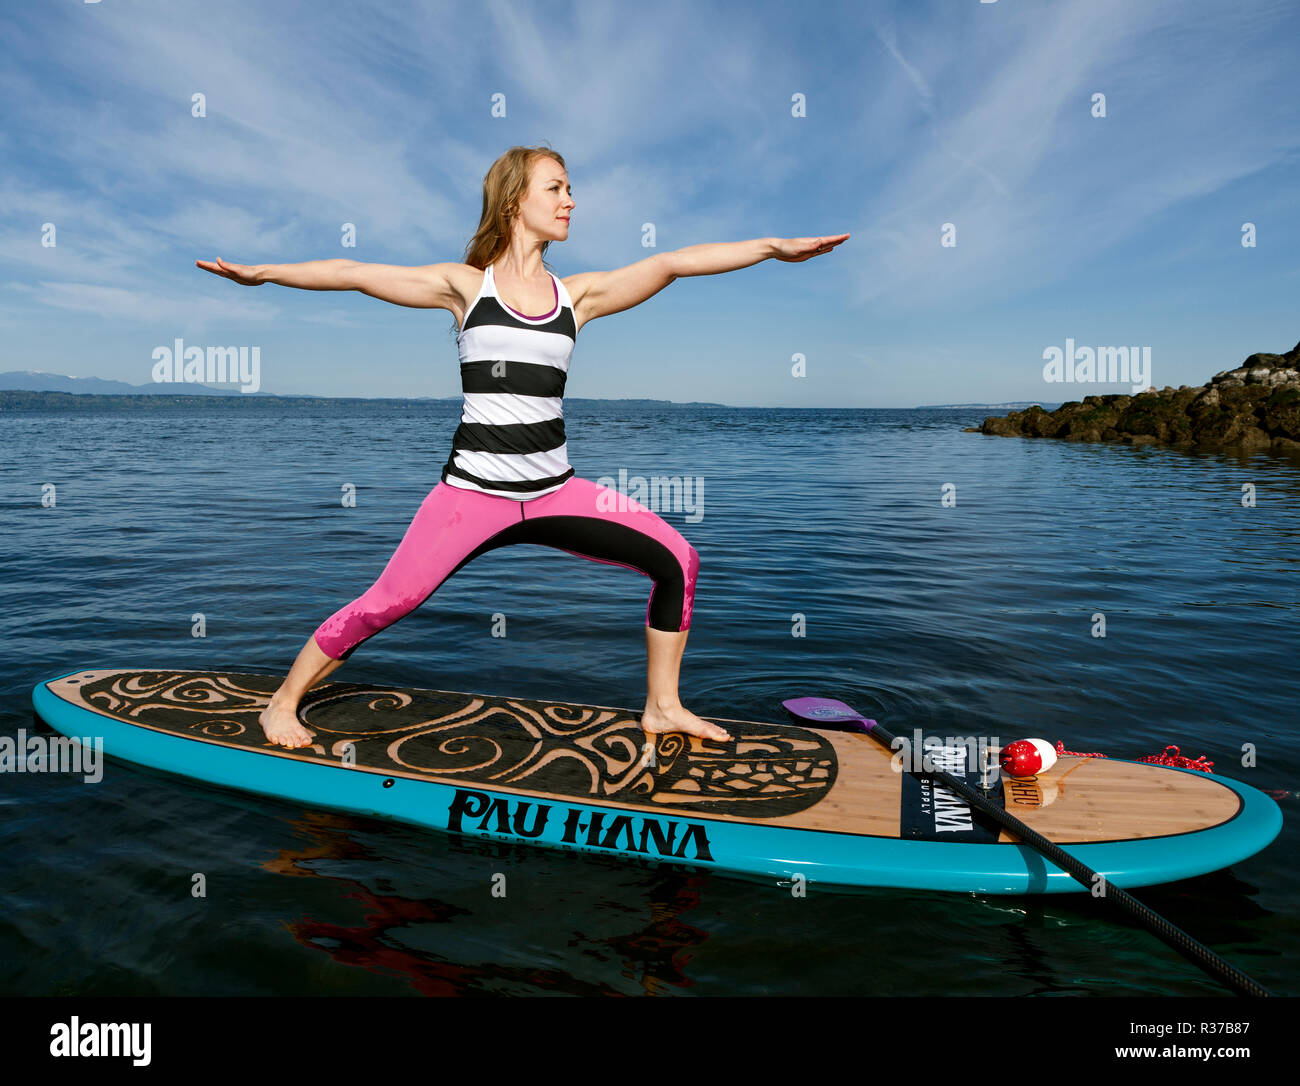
x: 677, y: 718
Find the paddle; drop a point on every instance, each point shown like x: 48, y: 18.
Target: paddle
x: 816, y: 711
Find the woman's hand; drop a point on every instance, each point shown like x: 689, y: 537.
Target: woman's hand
x: 428, y: 287
x: 794, y: 250
x: 245, y: 274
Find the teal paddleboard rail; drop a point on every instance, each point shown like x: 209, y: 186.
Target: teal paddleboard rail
x: 750, y: 849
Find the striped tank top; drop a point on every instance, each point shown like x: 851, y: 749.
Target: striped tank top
x: 510, y: 441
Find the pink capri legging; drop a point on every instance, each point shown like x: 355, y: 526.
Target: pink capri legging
x: 453, y: 526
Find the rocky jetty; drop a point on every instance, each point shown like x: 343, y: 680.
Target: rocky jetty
x: 1255, y: 407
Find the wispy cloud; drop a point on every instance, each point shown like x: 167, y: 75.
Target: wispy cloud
x: 1041, y: 186
x: 889, y: 39
x: 123, y: 304
x: 378, y: 114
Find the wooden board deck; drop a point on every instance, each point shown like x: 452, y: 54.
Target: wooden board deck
x: 773, y: 774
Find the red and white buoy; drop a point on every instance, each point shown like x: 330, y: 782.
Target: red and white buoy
x: 1027, y: 757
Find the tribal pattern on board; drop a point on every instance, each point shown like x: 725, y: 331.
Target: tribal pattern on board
x: 547, y: 748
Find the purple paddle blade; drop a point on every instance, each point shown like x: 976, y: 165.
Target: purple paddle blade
x: 825, y: 711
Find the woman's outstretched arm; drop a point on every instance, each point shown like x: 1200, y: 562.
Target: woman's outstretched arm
x: 427, y: 287
x: 597, y: 294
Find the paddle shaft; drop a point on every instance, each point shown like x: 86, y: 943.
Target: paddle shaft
x: 1154, y: 922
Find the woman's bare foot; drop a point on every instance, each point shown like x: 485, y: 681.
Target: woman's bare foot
x: 280, y: 718
x: 282, y: 727
x: 675, y: 717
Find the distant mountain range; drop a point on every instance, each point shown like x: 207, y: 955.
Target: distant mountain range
x: 36, y: 381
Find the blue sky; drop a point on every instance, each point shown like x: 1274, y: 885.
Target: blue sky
x: 1122, y: 230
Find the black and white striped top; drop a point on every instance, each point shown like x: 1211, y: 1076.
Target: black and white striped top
x: 510, y: 441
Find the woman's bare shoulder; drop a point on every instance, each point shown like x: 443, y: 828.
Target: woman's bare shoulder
x: 463, y: 282
x: 465, y: 278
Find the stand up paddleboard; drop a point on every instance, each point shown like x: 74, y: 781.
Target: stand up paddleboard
x: 775, y: 802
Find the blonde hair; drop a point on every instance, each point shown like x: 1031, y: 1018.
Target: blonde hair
x: 503, y: 188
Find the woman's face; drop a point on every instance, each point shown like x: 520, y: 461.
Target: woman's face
x: 545, y: 207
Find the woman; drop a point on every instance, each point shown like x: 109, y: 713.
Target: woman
x: 508, y: 479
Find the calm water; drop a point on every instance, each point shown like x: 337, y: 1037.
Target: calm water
x: 974, y: 616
